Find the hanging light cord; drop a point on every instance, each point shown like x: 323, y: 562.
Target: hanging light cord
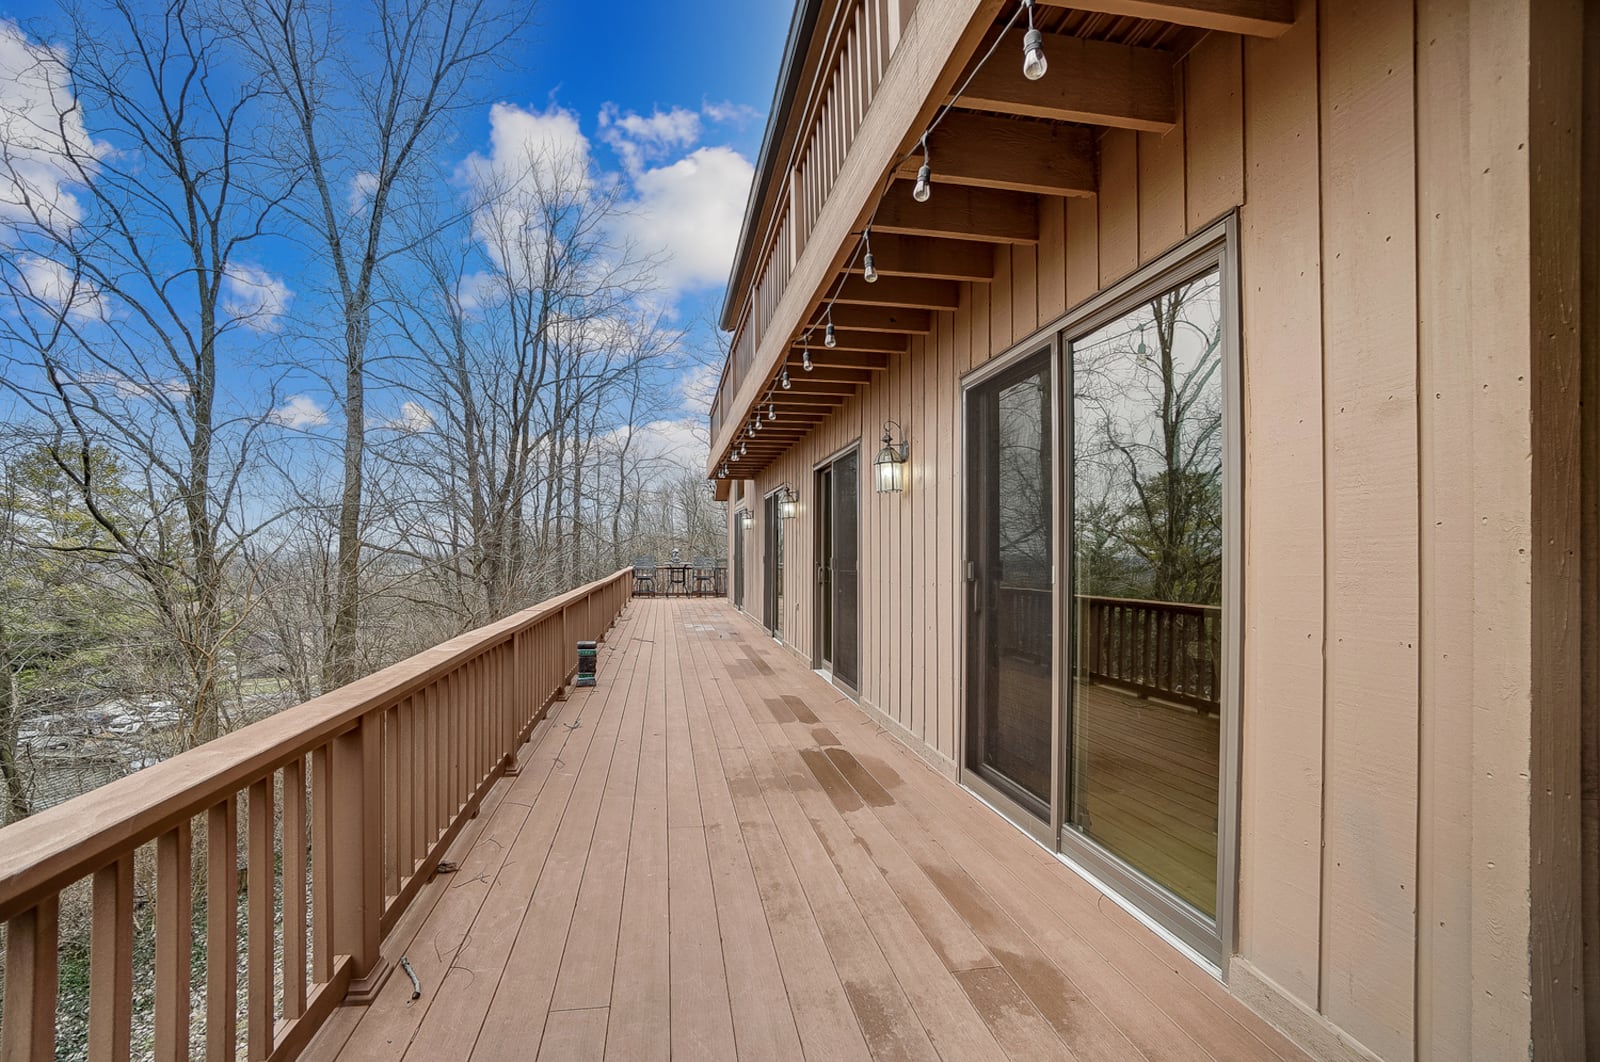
x: 887, y: 182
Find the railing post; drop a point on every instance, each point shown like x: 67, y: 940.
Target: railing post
x: 356, y: 809
x: 31, y: 983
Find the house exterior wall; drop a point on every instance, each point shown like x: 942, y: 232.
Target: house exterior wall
x: 1405, y: 649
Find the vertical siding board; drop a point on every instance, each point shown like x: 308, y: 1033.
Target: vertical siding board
x: 1119, y: 205
x: 1445, y: 423
x: 1052, y: 258
x: 1369, y: 324
x: 948, y: 524
x: 1281, y: 768
x: 924, y: 454
x: 1163, y: 216
x: 1213, y: 115
x: 1024, y: 291
x: 1083, y: 249
x: 1001, y: 331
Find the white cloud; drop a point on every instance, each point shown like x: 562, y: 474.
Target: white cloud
x: 637, y: 138
x: 299, y: 412
x: 412, y: 419
x: 729, y: 112
x: 527, y: 146
x: 690, y: 211
x: 698, y: 387
x: 44, y: 147
x: 54, y: 284
x: 681, y: 443
x: 362, y: 188
x: 125, y: 386
x: 255, y: 298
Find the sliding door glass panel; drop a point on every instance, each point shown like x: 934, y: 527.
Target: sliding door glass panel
x: 844, y: 537
x: 1012, y: 599
x: 1147, y: 542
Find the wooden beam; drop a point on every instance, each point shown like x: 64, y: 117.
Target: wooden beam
x: 806, y: 398
x: 919, y: 256
x: 842, y: 357
x: 850, y: 347
x: 873, y: 319
x: 914, y: 292
x: 833, y: 373
x: 1250, y: 18
x: 959, y: 213
x: 1092, y: 82
x: 1009, y: 154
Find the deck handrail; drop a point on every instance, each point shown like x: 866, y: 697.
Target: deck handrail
x: 399, y: 761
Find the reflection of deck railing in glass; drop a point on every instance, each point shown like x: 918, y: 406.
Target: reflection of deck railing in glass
x: 1154, y: 648
x: 1160, y: 649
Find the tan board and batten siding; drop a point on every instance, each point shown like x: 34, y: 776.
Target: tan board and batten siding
x: 1377, y: 154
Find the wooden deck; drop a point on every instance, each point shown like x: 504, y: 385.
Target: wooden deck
x: 715, y: 855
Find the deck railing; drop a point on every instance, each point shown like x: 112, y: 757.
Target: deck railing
x: 1160, y: 649
x: 359, y: 793
x: 1154, y: 648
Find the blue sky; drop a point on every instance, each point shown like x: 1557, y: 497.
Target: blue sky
x: 669, y: 98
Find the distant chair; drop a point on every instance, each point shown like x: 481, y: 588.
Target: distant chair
x: 705, y: 576
x: 644, y: 575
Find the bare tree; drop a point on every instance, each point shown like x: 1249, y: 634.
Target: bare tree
x: 365, y: 131
x: 124, y: 287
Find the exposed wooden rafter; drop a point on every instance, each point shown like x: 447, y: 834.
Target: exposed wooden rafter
x: 1010, y: 154
x: 911, y: 292
x: 959, y: 213
x: 843, y: 358
x: 938, y: 259
x: 1092, y: 82
x: 1252, y: 18
x: 874, y: 319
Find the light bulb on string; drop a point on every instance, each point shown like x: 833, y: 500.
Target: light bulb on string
x: 922, y: 191
x: 785, y: 379
x: 829, y: 339
x: 1034, y: 64
x: 805, y: 360
x: 772, y: 410
x: 1142, y: 350
x: 868, y: 267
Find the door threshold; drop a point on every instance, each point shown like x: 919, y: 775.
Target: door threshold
x: 1144, y: 919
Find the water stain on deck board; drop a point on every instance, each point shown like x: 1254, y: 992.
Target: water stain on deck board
x: 800, y: 710
x: 779, y: 710
x: 823, y: 736
x: 859, y: 778
x: 844, y: 798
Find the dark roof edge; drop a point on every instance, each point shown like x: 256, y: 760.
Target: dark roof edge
x: 795, y: 46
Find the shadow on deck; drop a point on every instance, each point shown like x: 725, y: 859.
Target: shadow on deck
x: 715, y: 855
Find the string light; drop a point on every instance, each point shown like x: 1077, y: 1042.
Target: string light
x: 1034, y: 64
x: 772, y: 410
x: 923, y: 191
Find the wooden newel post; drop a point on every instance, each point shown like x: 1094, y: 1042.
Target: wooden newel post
x: 356, y: 810
x: 31, y: 983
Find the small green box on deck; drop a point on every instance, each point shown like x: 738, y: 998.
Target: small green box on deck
x: 588, y: 654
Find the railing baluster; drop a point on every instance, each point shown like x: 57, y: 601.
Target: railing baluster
x: 222, y: 929
x: 322, y: 899
x: 260, y: 873
x: 31, y: 983
x: 294, y: 888
x: 389, y: 838
x: 406, y: 783
x: 174, y: 943
x: 111, y: 962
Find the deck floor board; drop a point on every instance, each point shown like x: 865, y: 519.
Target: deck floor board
x: 725, y: 858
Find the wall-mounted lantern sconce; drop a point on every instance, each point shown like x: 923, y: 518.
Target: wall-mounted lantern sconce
x: 747, y: 519
x: 788, y: 503
x: 889, y: 467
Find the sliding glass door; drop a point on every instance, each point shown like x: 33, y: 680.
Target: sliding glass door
x: 1098, y: 693
x: 1147, y: 568
x: 838, y: 578
x: 1010, y: 575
